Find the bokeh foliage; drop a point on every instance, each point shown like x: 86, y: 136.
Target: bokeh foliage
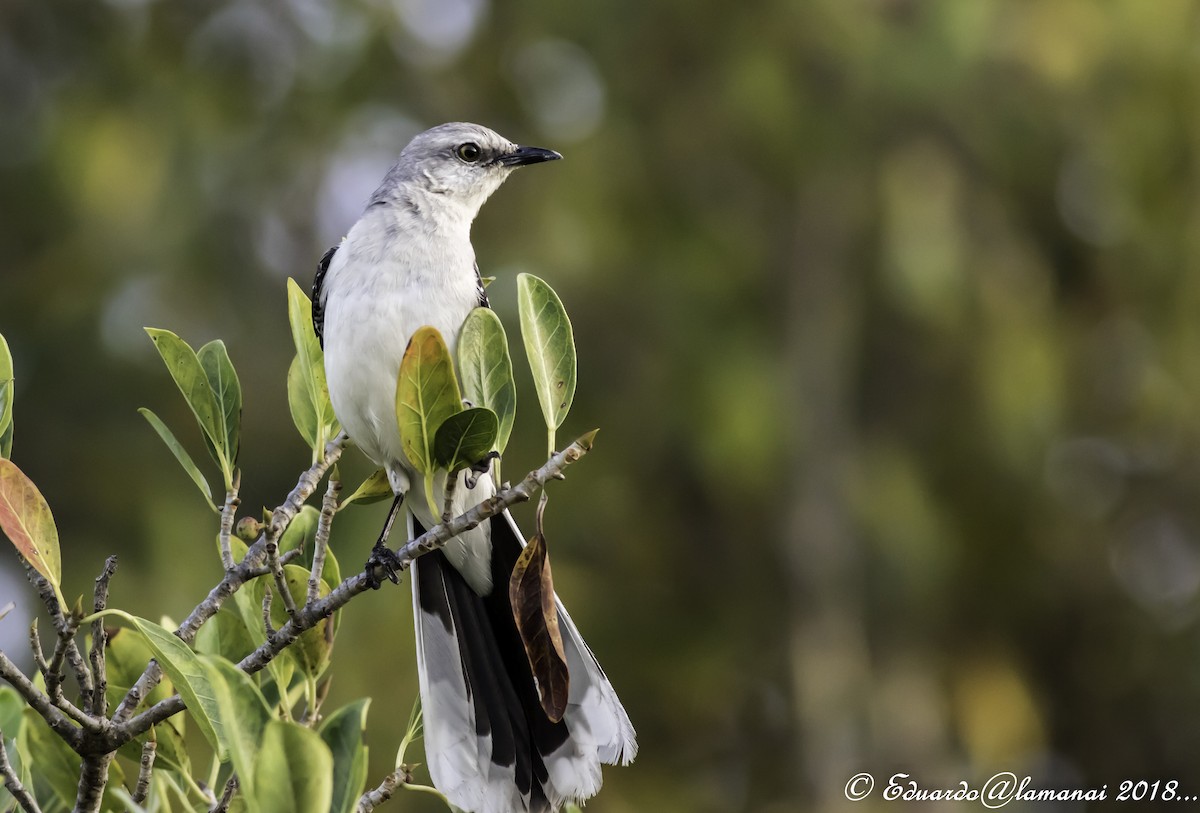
x: 886, y: 309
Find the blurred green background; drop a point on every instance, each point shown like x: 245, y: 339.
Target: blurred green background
x: 887, y: 310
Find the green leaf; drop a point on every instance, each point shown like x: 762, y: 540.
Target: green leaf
x: 550, y: 346
x: 312, y: 366
x: 181, y: 455
x: 300, y: 403
x: 7, y: 393
x: 227, y: 390
x: 311, y: 650
x: 26, y: 520
x: 426, y: 394
x: 343, y: 732
x: 301, y: 531
x: 465, y: 438
x: 187, y: 672
x: 373, y: 489
x: 11, y: 723
x: 188, y: 374
x: 225, y: 634
x: 294, y: 772
x: 486, y: 369
x: 125, y: 659
x: 57, y: 765
x: 244, y: 715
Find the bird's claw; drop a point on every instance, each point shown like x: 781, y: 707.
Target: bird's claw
x: 385, y: 559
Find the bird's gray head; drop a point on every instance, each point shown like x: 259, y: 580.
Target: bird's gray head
x: 460, y: 164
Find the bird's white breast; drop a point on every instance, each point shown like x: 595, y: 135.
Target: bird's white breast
x: 388, y: 278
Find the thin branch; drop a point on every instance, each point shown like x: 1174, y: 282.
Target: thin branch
x: 386, y: 789
x: 448, y: 505
x: 100, y: 640
x: 39, y: 655
x: 266, y: 613
x: 281, y: 584
x: 46, y: 592
x: 228, y: 514
x: 431, y: 540
x: 249, y: 568
x: 145, y: 769
x: 39, y: 702
x: 13, y: 783
x: 222, y: 804
x: 312, y: 614
x: 321, y: 543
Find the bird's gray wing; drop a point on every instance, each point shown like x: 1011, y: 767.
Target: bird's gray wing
x: 318, y: 306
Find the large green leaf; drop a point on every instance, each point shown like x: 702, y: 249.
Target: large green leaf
x: 181, y: 455
x: 184, y: 366
x: 426, y: 395
x: 294, y: 771
x: 550, y: 347
x: 343, y: 732
x: 187, y: 673
x: 26, y: 520
x: 486, y: 370
x: 244, y: 715
x: 465, y: 438
x: 7, y: 392
x: 125, y: 659
x: 227, y: 390
x: 312, y: 367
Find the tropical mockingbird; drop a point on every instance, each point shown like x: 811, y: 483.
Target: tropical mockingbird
x: 408, y: 262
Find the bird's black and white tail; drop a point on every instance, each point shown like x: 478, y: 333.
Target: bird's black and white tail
x: 489, y: 746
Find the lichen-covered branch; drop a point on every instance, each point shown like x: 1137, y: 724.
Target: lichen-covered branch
x: 12, y: 782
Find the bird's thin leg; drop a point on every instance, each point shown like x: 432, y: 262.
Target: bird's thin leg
x: 383, y: 556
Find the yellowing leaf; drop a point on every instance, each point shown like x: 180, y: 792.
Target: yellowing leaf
x: 26, y: 520
x: 426, y: 395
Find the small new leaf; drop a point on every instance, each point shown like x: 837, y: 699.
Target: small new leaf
x: 464, y: 439
x: 26, y: 520
x: 373, y: 489
x: 531, y: 592
x: 550, y: 346
x: 486, y: 367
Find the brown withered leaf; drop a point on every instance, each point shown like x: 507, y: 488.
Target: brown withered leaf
x: 531, y: 591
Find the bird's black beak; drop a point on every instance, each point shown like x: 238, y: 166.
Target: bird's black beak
x: 527, y: 155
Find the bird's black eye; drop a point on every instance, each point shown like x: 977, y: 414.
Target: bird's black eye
x: 469, y: 152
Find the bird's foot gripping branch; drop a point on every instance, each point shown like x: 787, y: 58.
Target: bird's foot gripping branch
x: 249, y: 666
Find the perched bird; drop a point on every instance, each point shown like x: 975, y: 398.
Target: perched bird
x: 408, y: 262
